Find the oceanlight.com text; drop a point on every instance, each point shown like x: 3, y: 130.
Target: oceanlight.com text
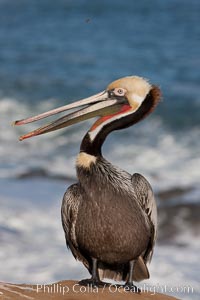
x: 58, y: 288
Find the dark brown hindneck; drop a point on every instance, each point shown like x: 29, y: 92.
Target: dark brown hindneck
x: 148, y: 105
x: 91, y: 147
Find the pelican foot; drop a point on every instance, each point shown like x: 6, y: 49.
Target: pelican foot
x: 93, y: 283
x: 131, y: 288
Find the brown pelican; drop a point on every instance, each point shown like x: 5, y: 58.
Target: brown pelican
x: 109, y: 217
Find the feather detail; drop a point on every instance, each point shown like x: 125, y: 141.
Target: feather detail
x: 140, y: 271
x: 69, y: 212
x: 147, y: 202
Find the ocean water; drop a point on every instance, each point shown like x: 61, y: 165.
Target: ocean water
x: 56, y: 52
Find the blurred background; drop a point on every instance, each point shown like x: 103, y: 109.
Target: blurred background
x: 55, y: 52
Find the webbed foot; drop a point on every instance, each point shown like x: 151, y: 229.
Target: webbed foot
x: 93, y: 283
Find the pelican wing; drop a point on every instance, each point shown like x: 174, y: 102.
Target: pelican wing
x: 147, y: 202
x: 69, y: 212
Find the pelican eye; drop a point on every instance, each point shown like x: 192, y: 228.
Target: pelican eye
x: 119, y: 92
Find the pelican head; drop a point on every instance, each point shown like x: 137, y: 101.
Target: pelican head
x: 128, y: 96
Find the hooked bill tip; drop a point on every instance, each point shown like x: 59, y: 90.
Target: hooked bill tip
x: 23, y: 137
x: 14, y: 123
x: 18, y: 122
x: 26, y: 136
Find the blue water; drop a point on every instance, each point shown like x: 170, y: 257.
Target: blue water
x: 70, y: 49
x: 55, y: 52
